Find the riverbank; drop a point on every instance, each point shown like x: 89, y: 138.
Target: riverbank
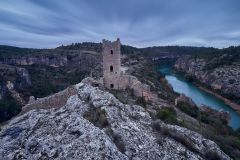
x: 181, y: 84
x: 230, y: 103
x: 233, y: 105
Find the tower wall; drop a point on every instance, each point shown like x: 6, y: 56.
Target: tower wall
x: 113, y: 78
x: 111, y: 63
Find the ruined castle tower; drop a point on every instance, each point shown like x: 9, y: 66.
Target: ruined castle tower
x: 111, y: 63
x: 114, y: 78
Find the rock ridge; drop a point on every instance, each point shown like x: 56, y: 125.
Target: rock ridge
x: 128, y: 132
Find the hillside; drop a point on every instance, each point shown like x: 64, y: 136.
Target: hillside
x: 94, y: 124
x: 57, y: 69
x: 52, y: 70
x: 219, y: 72
x: 38, y: 73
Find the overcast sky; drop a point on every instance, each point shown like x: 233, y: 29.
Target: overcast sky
x: 141, y: 23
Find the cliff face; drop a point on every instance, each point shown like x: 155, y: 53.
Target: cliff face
x: 13, y: 79
x: 93, y: 124
x: 53, y: 58
x: 16, y: 68
x: 41, y: 73
x: 222, y: 78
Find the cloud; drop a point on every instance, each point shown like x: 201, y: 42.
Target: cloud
x: 44, y: 23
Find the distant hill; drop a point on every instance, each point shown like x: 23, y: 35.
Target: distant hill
x: 90, y: 46
x: 8, y: 51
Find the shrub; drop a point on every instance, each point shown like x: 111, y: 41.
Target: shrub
x: 238, y: 130
x: 156, y: 126
x: 189, y: 78
x: 177, y: 137
x: 117, y: 139
x: 211, y: 155
x: 211, y: 119
x: 161, y: 129
x: 141, y: 101
x: 188, y: 109
x: 8, y: 108
x: 97, y: 116
x: 184, y: 141
x: 167, y: 114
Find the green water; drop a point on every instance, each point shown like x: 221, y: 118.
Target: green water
x: 181, y: 85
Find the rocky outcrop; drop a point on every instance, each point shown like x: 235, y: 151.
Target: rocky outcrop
x: 53, y: 58
x: 39, y: 73
x: 71, y: 60
x: 83, y: 61
x: 224, y: 79
x: 13, y: 79
x: 14, y: 94
x: 18, y: 75
x: 93, y: 124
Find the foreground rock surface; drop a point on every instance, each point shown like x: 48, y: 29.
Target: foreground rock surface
x: 112, y: 131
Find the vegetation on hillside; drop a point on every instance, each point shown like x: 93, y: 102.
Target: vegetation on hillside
x: 205, y: 123
x: 89, y: 46
x: 167, y: 114
x: 8, y: 108
x: 6, y: 51
x: 177, y: 50
x: 221, y: 57
x: 10, y: 51
x: 48, y: 80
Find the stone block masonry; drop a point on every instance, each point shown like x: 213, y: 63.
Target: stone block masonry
x: 56, y: 100
x: 114, y: 78
x: 111, y: 63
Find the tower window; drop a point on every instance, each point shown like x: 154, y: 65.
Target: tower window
x: 111, y: 51
x: 111, y: 68
x: 111, y: 85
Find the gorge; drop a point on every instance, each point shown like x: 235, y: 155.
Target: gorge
x: 181, y: 85
x: 52, y: 72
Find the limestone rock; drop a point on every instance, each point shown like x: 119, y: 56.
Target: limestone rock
x: 31, y: 100
x: 13, y: 80
x: 69, y: 133
x: 11, y: 89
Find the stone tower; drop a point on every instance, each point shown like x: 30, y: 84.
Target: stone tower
x: 111, y: 63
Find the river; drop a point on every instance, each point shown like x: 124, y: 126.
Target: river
x: 181, y: 85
